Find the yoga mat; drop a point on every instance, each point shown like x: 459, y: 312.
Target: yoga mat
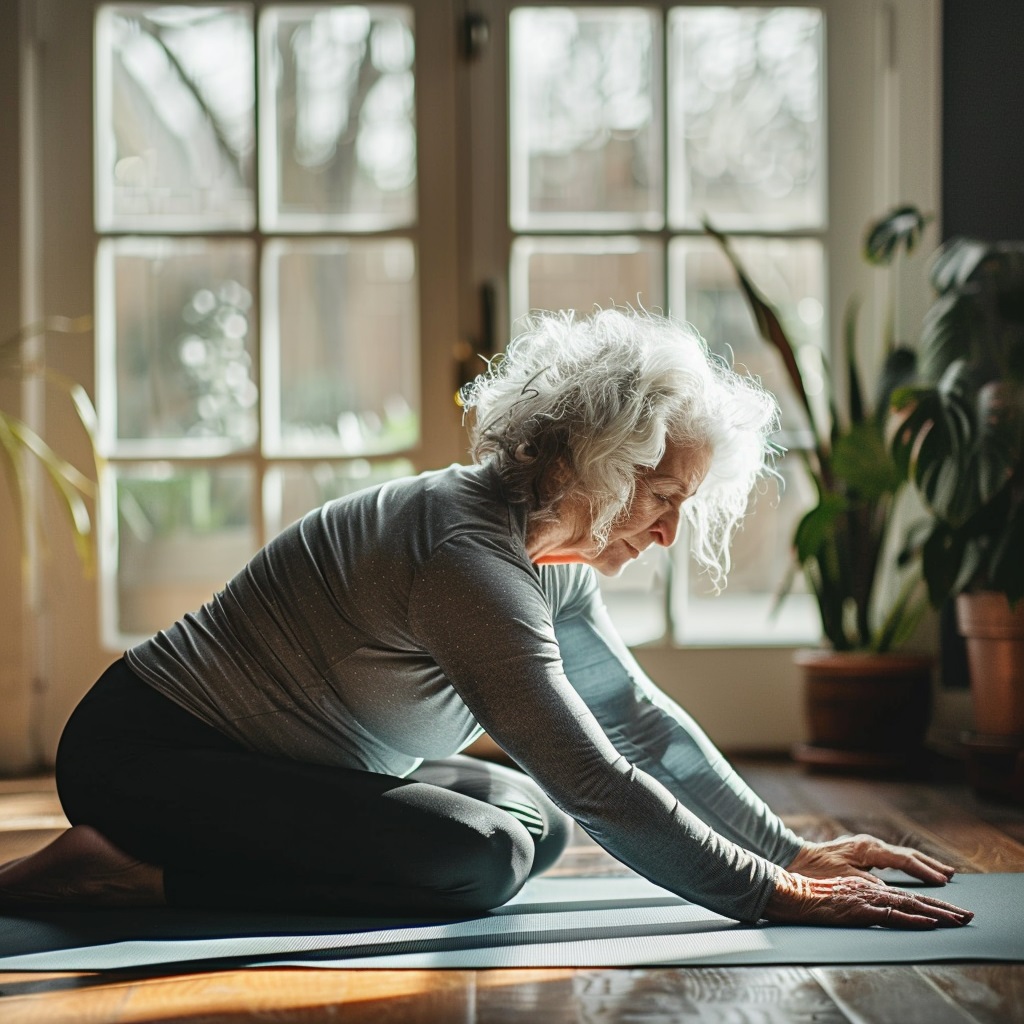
x: 553, y: 922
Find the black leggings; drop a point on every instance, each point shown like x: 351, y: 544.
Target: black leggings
x: 239, y: 830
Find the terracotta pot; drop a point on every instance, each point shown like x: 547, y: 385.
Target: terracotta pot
x: 995, y: 657
x: 864, y: 710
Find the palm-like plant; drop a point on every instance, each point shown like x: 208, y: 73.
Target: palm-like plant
x: 841, y: 542
x: 18, y: 439
x: 961, y: 438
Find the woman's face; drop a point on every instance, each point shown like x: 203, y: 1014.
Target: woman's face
x: 653, y: 517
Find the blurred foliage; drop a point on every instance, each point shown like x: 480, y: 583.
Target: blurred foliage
x: 841, y: 544
x: 19, y: 442
x: 961, y: 435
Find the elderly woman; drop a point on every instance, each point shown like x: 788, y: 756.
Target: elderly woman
x: 293, y: 743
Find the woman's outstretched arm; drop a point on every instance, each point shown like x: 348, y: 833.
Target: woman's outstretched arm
x: 656, y: 734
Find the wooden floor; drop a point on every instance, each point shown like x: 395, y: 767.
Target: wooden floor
x: 941, y: 818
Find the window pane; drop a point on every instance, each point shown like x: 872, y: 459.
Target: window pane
x: 176, y: 346
x: 289, y: 492
x: 579, y: 273
x: 175, y: 117
x: 704, y: 291
x: 762, y: 555
x: 341, y: 347
x: 338, y: 147
x: 181, y: 534
x: 746, y: 117
x: 585, y: 146
x: 790, y: 272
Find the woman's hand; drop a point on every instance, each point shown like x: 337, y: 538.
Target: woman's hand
x: 856, y: 855
x: 855, y: 902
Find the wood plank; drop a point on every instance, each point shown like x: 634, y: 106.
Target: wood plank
x: 774, y: 782
x: 817, y: 828
x: 24, y: 810
x: 748, y: 995
x: 892, y: 812
x: 893, y: 827
x: 889, y: 993
x: 832, y: 795
x: 42, y: 783
x: 986, y: 846
x: 992, y: 993
x: 271, y: 994
x: 1002, y: 814
x: 1012, y: 826
x: 985, y: 836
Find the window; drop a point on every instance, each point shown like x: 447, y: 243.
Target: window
x: 258, y: 329
x: 292, y: 273
x: 623, y: 127
x: 629, y: 125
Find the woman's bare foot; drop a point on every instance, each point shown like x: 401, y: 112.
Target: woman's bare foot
x: 81, y: 868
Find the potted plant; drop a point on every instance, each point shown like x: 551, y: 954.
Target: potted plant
x: 867, y: 706
x: 960, y: 441
x: 18, y: 439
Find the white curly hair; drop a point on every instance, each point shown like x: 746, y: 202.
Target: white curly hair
x: 581, y: 405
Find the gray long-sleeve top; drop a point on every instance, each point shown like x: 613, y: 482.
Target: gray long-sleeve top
x: 397, y: 624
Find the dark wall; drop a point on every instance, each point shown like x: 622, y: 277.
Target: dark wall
x: 983, y: 118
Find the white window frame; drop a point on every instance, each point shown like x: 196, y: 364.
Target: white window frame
x: 882, y: 113
x: 262, y: 459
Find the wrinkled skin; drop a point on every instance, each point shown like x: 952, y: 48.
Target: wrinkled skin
x: 830, y: 884
x: 856, y: 855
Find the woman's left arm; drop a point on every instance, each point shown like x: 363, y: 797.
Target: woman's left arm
x: 652, y: 731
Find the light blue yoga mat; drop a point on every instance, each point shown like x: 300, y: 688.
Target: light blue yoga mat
x: 553, y: 922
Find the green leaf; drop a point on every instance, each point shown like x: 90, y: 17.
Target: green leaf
x: 947, y: 333
x: 897, y: 372
x: 15, y: 470
x: 852, y: 372
x: 934, y: 445
x: 830, y: 598
x: 922, y: 452
x: 86, y: 411
x: 770, y: 328
x: 913, y: 541
x: 784, y: 589
x: 972, y: 562
x: 861, y: 460
x: 57, y: 324
x: 956, y: 263
x: 903, y: 618
x: 69, y: 484
x: 58, y: 468
x: 942, y: 557
x: 17, y: 438
x: 900, y: 227
x: 999, y: 422
x: 916, y: 410
x: 818, y: 526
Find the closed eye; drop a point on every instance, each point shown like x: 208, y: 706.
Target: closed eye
x: 664, y: 498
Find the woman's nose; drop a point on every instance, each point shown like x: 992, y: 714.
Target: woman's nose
x: 665, y: 529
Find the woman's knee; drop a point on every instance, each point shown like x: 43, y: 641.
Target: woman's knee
x: 488, y: 865
x: 511, y: 791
